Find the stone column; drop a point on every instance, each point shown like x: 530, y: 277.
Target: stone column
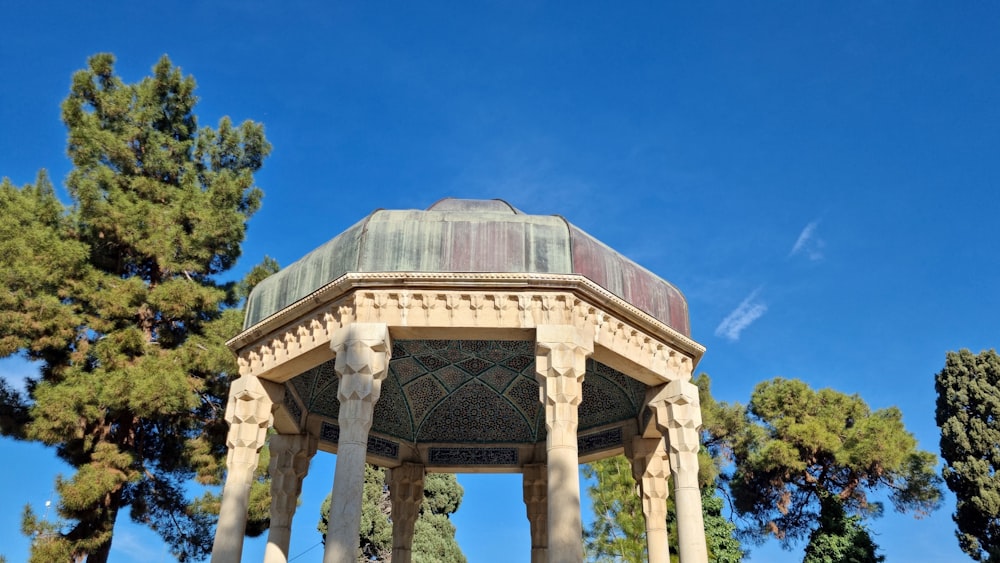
x: 363, y: 351
x: 406, y: 492
x: 248, y: 413
x: 536, y: 494
x: 678, y: 416
x: 290, y: 457
x: 651, y: 469
x: 560, y: 364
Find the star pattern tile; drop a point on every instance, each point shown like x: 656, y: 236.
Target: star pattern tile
x: 471, y: 391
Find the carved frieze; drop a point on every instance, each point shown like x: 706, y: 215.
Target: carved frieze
x: 472, y: 456
x: 298, y: 338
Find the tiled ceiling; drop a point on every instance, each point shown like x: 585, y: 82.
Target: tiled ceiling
x: 471, y: 392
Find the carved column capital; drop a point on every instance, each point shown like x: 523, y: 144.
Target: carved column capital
x: 363, y: 351
x: 290, y: 457
x: 406, y: 489
x: 249, y: 414
x: 678, y: 415
x: 651, y: 469
x: 562, y: 350
x: 561, y: 353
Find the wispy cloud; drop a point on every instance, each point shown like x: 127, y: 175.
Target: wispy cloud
x: 809, y: 243
x: 740, y: 318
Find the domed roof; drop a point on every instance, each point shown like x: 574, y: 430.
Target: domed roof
x: 473, y: 236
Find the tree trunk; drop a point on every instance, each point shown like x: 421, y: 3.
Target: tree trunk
x: 103, y: 552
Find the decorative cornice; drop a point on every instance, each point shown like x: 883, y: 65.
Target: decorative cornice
x: 297, y: 337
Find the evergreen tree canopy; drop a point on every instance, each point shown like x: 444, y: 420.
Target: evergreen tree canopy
x: 433, y: 533
x: 618, y: 532
x: 796, y: 445
x: 116, y: 298
x: 968, y: 413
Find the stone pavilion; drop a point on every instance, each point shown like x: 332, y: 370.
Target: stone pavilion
x: 470, y: 337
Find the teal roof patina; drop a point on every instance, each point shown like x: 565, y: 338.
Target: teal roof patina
x: 467, y: 235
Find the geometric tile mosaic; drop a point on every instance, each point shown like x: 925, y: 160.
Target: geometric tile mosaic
x: 598, y: 441
x: 471, y: 392
x: 378, y: 446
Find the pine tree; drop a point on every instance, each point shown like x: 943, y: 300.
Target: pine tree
x: 796, y: 445
x: 433, y: 534
x: 968, y: 405
x: 117, y: 297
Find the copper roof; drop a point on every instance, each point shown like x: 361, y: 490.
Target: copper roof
x: 469, y: 235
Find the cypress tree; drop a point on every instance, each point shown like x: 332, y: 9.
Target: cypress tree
x: 840, y: 538
x: 117, y: 297
x: 968, y: 413
x: 433, y: 534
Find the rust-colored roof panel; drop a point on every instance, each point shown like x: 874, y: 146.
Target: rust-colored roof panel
x: 628, y: 280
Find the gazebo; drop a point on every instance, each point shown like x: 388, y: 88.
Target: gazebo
x: 470, y: 337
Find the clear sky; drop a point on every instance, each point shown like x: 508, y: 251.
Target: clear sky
x: 820, y: 179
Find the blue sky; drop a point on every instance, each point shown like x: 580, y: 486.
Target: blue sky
x: 818, y: 178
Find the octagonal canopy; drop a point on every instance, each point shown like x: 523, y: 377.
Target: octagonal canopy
x: 469, y: 337
x: 460, y: 235
x: 462, y: 288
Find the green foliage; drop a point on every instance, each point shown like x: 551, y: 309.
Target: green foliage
x: 796, y: 445
x: 41, y: 267
x: 115, y: 296
x: 618, y: 532
x: 720, y: 532
x: 968, y: 400
x: 840, y: 538
x: 434, y: 540
x: 780, y: 456
x: 433, y: 534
